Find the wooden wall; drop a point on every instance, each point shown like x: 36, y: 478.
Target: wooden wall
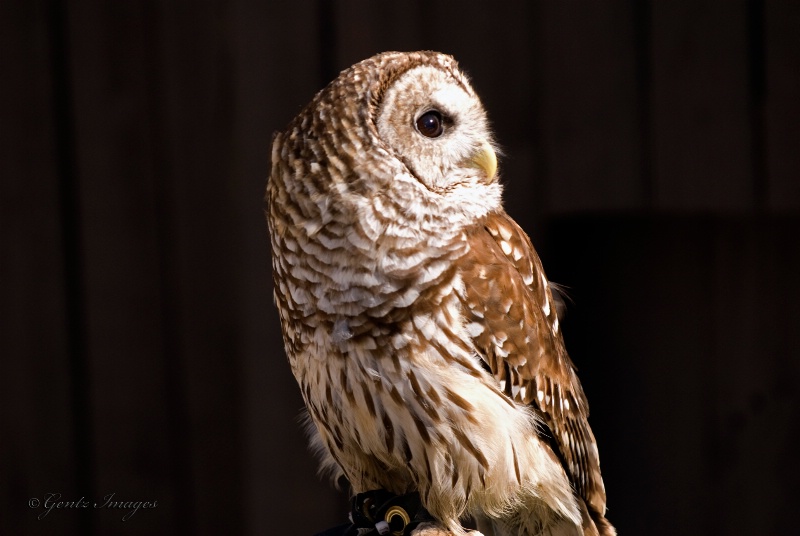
x: 652, y: 150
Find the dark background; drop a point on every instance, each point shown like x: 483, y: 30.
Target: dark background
x: 652, y: 151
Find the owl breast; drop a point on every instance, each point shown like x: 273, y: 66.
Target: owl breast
x: 390, y: 377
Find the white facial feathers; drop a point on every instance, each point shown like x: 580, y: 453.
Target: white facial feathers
x: 442, y: 164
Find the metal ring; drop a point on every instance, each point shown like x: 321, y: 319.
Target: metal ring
x: 396, y: 511
x: 365, y: 508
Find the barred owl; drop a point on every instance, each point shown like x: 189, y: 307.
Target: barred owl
x: 416, y: 316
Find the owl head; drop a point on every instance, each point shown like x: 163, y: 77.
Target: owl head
x: 431, y: 119
x: 398, y: 132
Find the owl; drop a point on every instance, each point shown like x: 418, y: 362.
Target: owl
x: 416, y: 315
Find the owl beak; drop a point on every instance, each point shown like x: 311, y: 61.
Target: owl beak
x: 485, y: 159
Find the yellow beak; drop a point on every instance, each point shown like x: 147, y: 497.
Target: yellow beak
x: 485, y: 159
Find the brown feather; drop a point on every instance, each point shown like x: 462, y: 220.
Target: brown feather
x: 507, y: 294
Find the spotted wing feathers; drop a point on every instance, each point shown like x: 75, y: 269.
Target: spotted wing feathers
x: 513, y: 320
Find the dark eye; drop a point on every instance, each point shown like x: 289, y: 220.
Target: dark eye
x: 430, y: 124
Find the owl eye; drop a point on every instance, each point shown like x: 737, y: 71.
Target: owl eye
x: 430, y: 124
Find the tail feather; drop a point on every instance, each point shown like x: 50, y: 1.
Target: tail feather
x: 595, y: 523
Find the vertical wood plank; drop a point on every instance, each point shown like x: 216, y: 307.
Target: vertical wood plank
x: 365, y: 28
x: 755, y: 371
x: 779, y: 422
x: 117, y: 188
x: 782, y: 26
x: 194, y: 87
x: 37, y: 450
x: 588, y: 106
x: 701, y: 132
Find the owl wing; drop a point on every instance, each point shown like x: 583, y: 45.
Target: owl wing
x: 512, y: 318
